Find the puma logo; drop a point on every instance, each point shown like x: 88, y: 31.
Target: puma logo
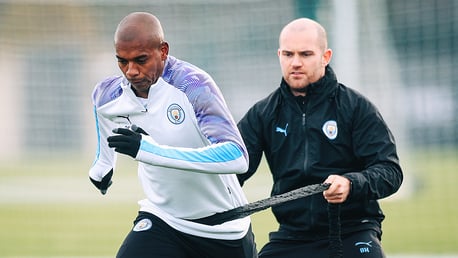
x: 364, y: 247
x: 126, y: 117
x: 282, y: 130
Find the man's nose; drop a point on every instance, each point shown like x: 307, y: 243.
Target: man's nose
x: 296, y: 61
x: 132, y: 70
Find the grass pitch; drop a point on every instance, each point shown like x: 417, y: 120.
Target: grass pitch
x: 54, y: 211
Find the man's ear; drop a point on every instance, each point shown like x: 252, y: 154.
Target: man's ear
x: 164, y: 50
x: 327, y: 57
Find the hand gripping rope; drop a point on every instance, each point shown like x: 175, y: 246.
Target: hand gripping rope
x: 335, y: 242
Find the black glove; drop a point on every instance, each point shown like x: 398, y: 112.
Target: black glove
x: 104, y: 183
x: 127, y: 141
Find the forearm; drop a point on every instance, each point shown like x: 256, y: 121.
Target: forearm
x: 101, y: 170
x: 220, y: 158
x: 376, y: 182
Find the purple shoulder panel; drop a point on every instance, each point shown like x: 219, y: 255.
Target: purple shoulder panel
x: 107, y: 90
x: 210, y: 108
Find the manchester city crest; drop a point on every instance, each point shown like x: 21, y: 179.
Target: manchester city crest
x: 330, y: 129
x: 143, y: 225
x: 175, y: 114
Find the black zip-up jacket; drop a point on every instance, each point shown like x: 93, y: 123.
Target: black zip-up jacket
x: 333, y: 130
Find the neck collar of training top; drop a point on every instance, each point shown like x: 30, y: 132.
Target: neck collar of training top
x: 323, y: 85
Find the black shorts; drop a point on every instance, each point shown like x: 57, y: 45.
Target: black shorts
x: 152, y: 237
x: 362, y: 244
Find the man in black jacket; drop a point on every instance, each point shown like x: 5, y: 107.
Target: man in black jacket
x: 312, y: 129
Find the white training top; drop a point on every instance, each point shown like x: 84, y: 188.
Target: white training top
x: 188, y: 161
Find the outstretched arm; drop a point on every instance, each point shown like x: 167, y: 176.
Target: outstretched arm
x: 219, y: 158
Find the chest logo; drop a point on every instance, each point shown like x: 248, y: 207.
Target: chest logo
x: 330, y: 129
x: 175, y: 114
x: 282, y: 130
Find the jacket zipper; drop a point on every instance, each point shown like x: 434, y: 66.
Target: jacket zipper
x: 306, y: 147
x: 231, y: 196
x: 305, y: 141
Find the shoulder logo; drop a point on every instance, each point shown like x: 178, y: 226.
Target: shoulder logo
x: 330, y: 129
x: 175, y: 114
x: 143, y: 225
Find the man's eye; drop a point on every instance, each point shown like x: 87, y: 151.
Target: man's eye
x: 141, y: 61
x: 123, y: 62
x: 307, y: 53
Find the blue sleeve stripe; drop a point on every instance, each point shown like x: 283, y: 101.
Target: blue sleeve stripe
x: 222, y: 153
x: 97, y: 153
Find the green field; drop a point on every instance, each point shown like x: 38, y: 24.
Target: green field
x: 53, y: 210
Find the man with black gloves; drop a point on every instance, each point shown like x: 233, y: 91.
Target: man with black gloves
x: 313, y: 129
x: 171, y: 117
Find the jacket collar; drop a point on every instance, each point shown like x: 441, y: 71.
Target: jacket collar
x: 323, y: 86
x: 317, y: 90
